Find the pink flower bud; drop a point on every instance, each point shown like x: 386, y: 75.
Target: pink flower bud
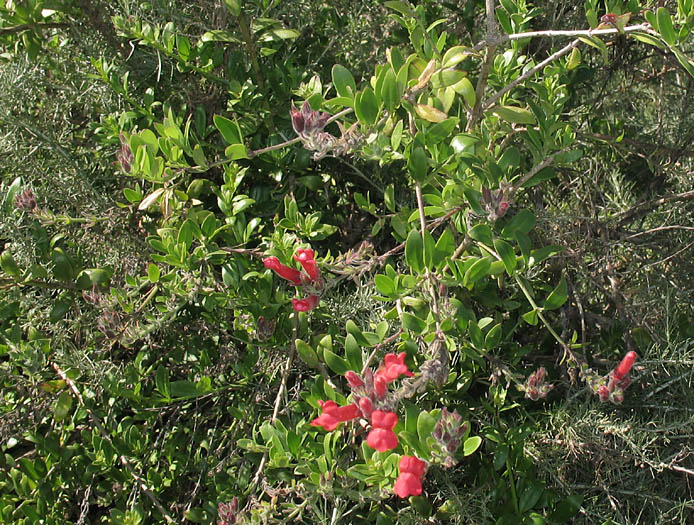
x: 353, y: 379
x: 380, y: 386
x: 366, y: 406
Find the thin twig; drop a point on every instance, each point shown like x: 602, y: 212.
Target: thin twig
x: 534, y: 171
x: 280, y: 392
x: 124, y: 461
x: 501, y: 39
x: 492, y: 34
x: 491, y: 101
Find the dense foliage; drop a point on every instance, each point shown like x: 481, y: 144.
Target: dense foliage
x: 273, y: 261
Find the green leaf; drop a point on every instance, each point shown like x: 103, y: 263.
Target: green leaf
x: 467, y: 91
x: 401, y: 7
x: 59, y: 309
x: 471, y: 444
x: 153, y: 273
x: 530, y: 317
x: 62, y: 406
x: 418, y: 164
x: 476, y: 337
x: 384, y: 285
x: 413, y: 323
x: 366, y: 107
x: 218, y: 35
x: 63, y: 266
x: 8, y: 264
x: 508, y: 256
x: 445, y: 246
x: 514, y: 114
x: 234, y: 6
x: 665, y: 28
x: 414, y: 251
x: 229, y: 129
x: 441, y: 130
x: 307, y: 353
x: 390, y: 94
x: 161, y: 381
x: 479, y: 269
x: 353, y: 353
x: 493, y: 337
x: 236, y: 152
x: 335, y: 362
x: 522, y: 222
x: 343, y: 82
x: 425, y: 425
x: 558, y: 296
x: 455, y: 55
x: 481, y: 233
x: 574, y: 59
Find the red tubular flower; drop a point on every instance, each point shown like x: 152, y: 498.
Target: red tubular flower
x: 308, y: 263
x: 305, y: 305
x: 624, y: 367
x: 333, y: 415
x: 394, y: 367
x: 353, y: 379
x: 409, y: 482
x: 283, y: 271
x: 382, y: 437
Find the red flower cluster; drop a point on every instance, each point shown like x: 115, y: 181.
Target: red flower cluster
x: 409, y: 482
x: 311, y: 279
x: 367, y: 392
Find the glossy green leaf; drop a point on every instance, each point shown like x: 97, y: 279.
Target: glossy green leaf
x: 530, y: 317
x: 467, y: 91
x: 558, y: 296
x: 471, y: 445
x: 455, y: 55
x: 161, y: 381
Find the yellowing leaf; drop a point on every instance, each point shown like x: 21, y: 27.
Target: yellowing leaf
x: 430, y: 113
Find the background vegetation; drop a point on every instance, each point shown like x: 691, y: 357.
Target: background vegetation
x: 152, y: 370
